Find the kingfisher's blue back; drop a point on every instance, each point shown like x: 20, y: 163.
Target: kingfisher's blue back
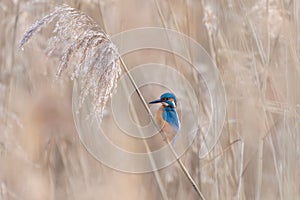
x: 167, y: 117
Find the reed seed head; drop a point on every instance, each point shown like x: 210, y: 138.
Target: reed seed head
x: 83, y: 46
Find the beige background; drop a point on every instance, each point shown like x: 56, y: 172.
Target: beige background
x: 255, y: 45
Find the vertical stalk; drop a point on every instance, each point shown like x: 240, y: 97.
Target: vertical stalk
x: 183, y: 168
x: 239, y: 190
x: 259, y: 169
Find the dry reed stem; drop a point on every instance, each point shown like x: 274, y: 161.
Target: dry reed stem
x: 183, y: 168
x: 259, y: 170
x: 240, y: 177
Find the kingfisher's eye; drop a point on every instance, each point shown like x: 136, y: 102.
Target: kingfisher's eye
x: 163, y: 99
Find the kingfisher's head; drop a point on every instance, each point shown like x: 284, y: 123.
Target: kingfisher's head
x: 167, y: 99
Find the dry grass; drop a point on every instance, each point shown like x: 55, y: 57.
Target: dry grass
x: 255, y: 45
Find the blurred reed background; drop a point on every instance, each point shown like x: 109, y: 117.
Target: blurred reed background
x: 255, y: 45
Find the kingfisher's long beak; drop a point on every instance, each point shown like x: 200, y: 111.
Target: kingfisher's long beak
x: 155, y: 101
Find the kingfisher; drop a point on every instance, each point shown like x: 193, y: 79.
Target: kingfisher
x: 167, y: 117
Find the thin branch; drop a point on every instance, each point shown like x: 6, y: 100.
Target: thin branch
x: 185, y: 171
x: 223, y: 151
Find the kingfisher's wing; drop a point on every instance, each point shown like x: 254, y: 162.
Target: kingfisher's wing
x: 170, y: 116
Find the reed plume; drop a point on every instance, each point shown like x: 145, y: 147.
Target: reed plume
x: 86, y: 48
